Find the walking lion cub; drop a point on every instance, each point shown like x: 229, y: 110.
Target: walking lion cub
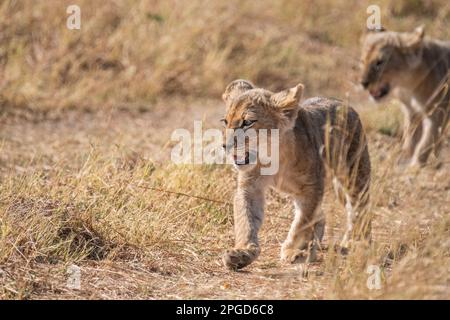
x: 318, y: 134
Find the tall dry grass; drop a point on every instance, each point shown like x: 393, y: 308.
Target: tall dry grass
x: 134, y: 52
x: 141, y: 228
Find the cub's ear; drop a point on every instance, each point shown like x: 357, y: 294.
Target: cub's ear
x: 369, y: 31
x: 236, y: 88
x: 287, y: 101
x: 415, y: 38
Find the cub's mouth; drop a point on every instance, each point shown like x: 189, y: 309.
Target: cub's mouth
x: 240, y: 161
x: 380, y: 92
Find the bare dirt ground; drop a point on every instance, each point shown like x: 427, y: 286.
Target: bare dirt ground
x: 413, y: 256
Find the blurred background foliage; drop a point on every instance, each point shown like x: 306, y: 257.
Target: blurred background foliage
x: 133, y: 52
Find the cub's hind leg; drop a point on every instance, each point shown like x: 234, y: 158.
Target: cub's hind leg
x: 356, y: 198
x: 306, y: 231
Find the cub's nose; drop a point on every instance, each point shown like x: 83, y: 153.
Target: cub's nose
x: 224, y: 146
x: 365, y: 84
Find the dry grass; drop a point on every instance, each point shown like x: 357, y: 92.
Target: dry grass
x: 135, y: 52
x: 74, y: 184
x: 72, y: 192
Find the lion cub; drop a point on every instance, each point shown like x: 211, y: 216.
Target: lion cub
x: 318, y: 134
x: 416, y: 70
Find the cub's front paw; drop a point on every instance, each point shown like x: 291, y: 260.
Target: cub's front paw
x: 235, y: 259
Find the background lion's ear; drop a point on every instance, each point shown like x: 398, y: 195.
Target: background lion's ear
x: 287, y: 101
x: 414, y: 39
x: 411, y: 45
x: 236, y: 88
x: 419, y: 32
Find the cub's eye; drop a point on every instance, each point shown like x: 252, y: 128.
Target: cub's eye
x: 224, y: 122
x: 379, y: 63
x: 248, y: 123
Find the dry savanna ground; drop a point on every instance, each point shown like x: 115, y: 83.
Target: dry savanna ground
x: 86, y: 179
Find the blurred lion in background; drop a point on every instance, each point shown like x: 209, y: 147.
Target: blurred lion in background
x: 416, y: 70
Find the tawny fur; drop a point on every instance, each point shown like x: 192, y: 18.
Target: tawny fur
x: 416, y: 70
x: 318, y: 134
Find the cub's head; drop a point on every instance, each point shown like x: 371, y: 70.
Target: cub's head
x: 388, y: 58
x: 250, y: 109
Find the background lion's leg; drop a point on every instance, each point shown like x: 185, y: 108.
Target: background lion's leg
x: 306, y: 230
x: 248, y: 217
x: 425, y: 144
x: 440, y: 118
x: 412, y: 133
